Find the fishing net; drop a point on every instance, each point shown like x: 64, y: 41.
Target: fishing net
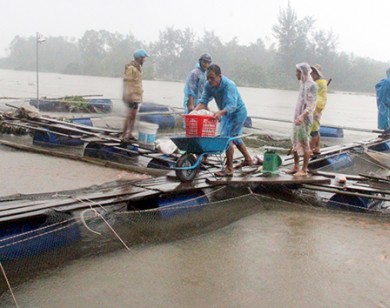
x: 363, y: 164
x: 354, y: 162
x: 35, y: 248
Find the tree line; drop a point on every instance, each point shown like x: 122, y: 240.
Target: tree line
x: 175, y: 52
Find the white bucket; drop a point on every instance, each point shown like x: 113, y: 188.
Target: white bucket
x: 147, y: 134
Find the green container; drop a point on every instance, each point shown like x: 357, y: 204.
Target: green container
x: 271, y: 162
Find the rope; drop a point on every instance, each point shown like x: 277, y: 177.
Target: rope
x: 85, y: 224
x: 255, y: 196
x: 113, y: 231
x: 92, y: 201
x: 104, y: 220
x: 9, y: 285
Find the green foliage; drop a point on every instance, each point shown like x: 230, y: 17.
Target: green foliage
x: 176, y: 52
x: 74, y: 98
x: 55, y: 55
x: 75, y: 103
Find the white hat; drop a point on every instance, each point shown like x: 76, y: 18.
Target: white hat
x: 318, y: 69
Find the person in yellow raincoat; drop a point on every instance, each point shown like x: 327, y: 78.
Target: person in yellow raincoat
x: 132, y: 92
x: 322, y: 97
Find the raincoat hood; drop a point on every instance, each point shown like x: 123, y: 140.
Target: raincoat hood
x: 305, y: 70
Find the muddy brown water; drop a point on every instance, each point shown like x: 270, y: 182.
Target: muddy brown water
x: 285, y: 255
x: 249, y: 252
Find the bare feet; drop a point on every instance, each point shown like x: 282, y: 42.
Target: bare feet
x: 244, y: 163
x: 129, y: 138
x: 228, y: 172
x: 316, y: 151
x: 300, y: 173
x: 292, y: 171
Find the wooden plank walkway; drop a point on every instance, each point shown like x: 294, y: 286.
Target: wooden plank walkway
x: 279, y: 179
x: 114, y: 193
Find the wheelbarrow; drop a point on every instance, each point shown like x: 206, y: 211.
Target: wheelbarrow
x: 188, y: 164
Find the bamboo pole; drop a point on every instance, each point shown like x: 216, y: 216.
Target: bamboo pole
x: 343, y: 127
x: 344, y: 192
x: 91, y: 160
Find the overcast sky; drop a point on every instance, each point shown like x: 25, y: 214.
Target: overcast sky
x: 362, y: 26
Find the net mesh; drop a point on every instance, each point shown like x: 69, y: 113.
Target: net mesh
x: 37, y: 247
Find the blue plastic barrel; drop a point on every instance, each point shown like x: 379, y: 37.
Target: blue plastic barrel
x: 49, y: 139
x: 172, y: 205
x: 83, y: 121
x: 156, y: 163
x: 350, y: 203
x: 330, y: 131
x: 164, y: 121
x: 32, y: 236
x: 47, y: 105
x: 110, y: 153
x: 341, y: 161
x: 102, y: 104
x: 335, y: 162
x: 381, y: 147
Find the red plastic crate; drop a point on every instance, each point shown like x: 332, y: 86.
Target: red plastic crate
x: 200, y: 125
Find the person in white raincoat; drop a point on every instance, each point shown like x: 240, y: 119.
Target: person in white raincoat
x: 303, y: 118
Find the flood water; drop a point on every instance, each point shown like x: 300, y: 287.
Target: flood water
x: 258, y: 251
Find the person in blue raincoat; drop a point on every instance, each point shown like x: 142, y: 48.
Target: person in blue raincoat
x: 232, y: 113
x: 383, y: 101
x: 195, y: 83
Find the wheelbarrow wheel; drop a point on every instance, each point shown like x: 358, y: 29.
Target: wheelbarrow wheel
x: 186, y: 160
